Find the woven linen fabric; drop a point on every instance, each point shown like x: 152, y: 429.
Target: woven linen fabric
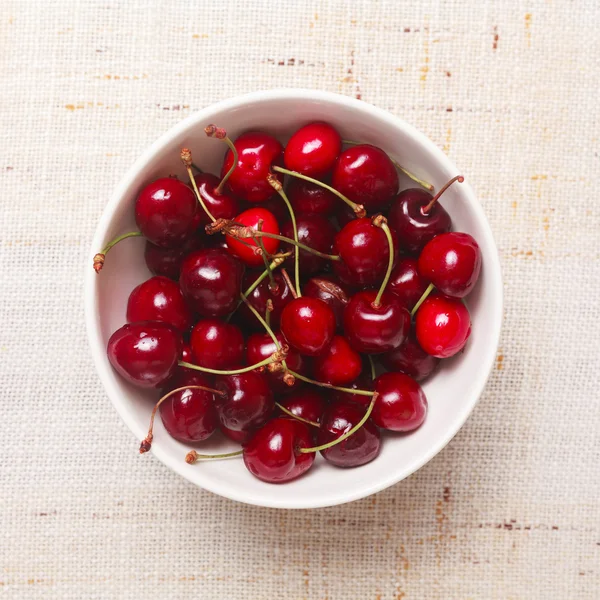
x: 509, y: 90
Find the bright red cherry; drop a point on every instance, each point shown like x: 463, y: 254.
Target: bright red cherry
x: 167, y: 261
x: 366, y: 175
x: 305, y: 403
x: 363, y: 382
x: 159, y: 299
x: 313, y: 149
x: 165, y: 212
x: 247, y: 400
x: 339, y: 364
x: 452, y: 262
x: 314, y: 231
x: 273, y: 453
x: 308, y: 325
x: 257, y: 152
x: 309, y: 198
x: 443, y: 326
x: 222, y: 204
x: 217, y: 345
x: 331, y: 291
x: 211, y: 281
x: 240, y: 437
x: 406, y: 283
x: 373, y: 329
x: 411, y: 359
x: 146, y: 353
x: 244, y: 248
x: 401, y: 404
x: 358, y: 449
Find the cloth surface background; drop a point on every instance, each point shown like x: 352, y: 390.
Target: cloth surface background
x: 510, y: 91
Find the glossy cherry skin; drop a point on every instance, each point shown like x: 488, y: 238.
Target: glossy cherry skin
x: 412, y: 227
x: 240, y: 437
x: 362, y: 382
x: 411, y: 359
x: 247, y: 401
x: 217, y: 345
x: 306, y: 403
x: 360, y: 448
x: 313, y: 149
x: 339, y: 364
x: 310, y: 198
x: 443, y: 326
x: 222, y: 205
x: 401, y: 404
x: 272, y: 454
x: 165, y: 212
x: 257, y: 152
x: 374, y: 329
x: 308, y: 325
x: 366, y: 175
x: 159, y: 299
x: 331, y: 291
x: 167, y: 261
x: 211, y: 281
x: 452, y: 262
x: 146, y: 353
x: 244, y: 247
x: 406, y: 283
x: 314, y: 231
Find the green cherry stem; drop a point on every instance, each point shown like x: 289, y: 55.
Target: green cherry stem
x: 186, y: 158
x: 221, y: 134
x: 262, y: 363
x: 192, y: 456
x: 426, y: 293
x: 381, y: 222
x: 289, y: 413
x: 100, y: 257
x: 263, y: 251
x: 329, y: 386
x: 372, y: 365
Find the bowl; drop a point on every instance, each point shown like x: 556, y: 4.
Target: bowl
x: 452, y: 391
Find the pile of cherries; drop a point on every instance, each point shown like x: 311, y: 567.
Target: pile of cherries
x: 269, y: 311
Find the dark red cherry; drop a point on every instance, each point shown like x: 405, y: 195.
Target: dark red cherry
x: 452, y: 262
x: 217, y: 345
x: 411, y: 359
x: 305, y: 403
x: 401, y: 404
x: 146, y: 353
x: 331, y: 291
x: 443, y: 326
x: 360, y: 448
x: 344, y: 214
x: 257, y: 152
x: 247, y: 400
x: 273, y: 454
x: 316, y: 232
x: 310, y: 198
x: 366, y: 175
x: 339, y: 364
x: 363, y: 382
x: 159, y: 299
x: 240, y: 437
x: 222, y: 204
x: 211, y: 281
x: 165, y: 212
x: 313, y: 149
x: 276, y: 206
x: 406, y: 283
x: 373, y: 329
x: 244, y: 248
x: 185, y: 376
x: 167, y: 261
x: 308, y: 325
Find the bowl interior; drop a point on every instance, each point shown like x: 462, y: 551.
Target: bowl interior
x: 452, y: 391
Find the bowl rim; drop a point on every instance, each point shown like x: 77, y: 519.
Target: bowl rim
x: 92, y: 318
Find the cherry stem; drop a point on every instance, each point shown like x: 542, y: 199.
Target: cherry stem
x: 381, y: 221
x: 346, y: 435
x: 289, y: 413
x: 329, y: 386
x: 268, y: 311
x: 221, y: 134
x: 186, y: 158
x: 289, y: 283
x: 426, y: 209
x: 99, y: 258
x: 287, y: 240
x: 258, y: 241
x: 372, y: 364
x: 426, y: 293
x: 146, y: 443
x: 359, y: 209
x: 192, y: 456
x: 262, y: 363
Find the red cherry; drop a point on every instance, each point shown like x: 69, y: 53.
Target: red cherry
x: 309, y: 198
x: 167, y: 261
x: 358, y: 449
x: 363, y: 382
x: 305, y: 403
x: 313, y: 149
x: 165, y: 212
x: 366, y: 175
x: 339, y: 364
x: 211, y: 281
x: 247, y: 401
x: 331, y: 291
x: 217, y: 345
x: 374, y: 329
x: 411, y: 359
x: 146, y: 353
x: 401, y: 404
x: 159, y: 299
x: 406, y: 283
x: 222, y: 205
x: 443, y: 326
x: 308, y: 325
x: 184, y: 376
x: 240, y: 437
x: 244, y: 248
x: 276, y: 207
x: 452, y: 262
x: 273, y: 454
x: 257, y: 153
x: 316, y: 232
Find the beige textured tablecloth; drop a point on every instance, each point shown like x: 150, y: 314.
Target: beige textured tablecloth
x: 510, y: 90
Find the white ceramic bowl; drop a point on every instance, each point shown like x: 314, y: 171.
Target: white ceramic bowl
x: 452, y: 392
